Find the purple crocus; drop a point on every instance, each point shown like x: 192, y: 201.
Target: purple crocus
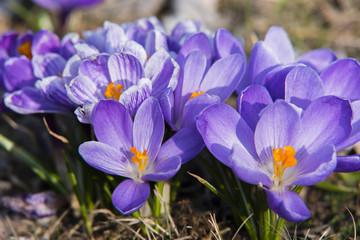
x: 148, y: 32
x: 34, y: 205
x: 202, y: 82
x: 300, y: 85
x: 288, y: 146
x: 276, y: 52
x: 142, y: 38
x: 182, y: 31
x: 120, y: 77
x: 13, y: 44
x: 110, y: 38
x: 134, y: 150
x: 33, y: 79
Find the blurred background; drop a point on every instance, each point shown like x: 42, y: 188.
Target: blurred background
x: 310, y: 23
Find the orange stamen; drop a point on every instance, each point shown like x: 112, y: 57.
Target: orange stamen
x: 195, y: 94
x: 25, y: 49
x: 283, y: 158
x: 140, y: 158
x: 113, y: 92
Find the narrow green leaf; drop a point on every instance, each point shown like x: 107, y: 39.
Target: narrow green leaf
x: 31, y: 161
x: 207, y: 184
x: 337, y: 188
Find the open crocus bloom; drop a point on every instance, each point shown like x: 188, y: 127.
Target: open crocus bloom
x: 33, y: 79
x: 120, y: 77
x: 134, y: 150
x: 288, y: 147
x: 201, y: 82
x: 300, y: 85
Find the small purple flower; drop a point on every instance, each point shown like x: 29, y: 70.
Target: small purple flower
x: 36, y: 205
x: 142, y: 38
x: 148, y: 32
x: 300, y: 85
x: 33, y: 79
x: 134, y: 149
x: 201, y: 82
x: 289, y: 146
x: 13, y: 45
x: 120, y: 77
x: 182, y: 31
x: 111, y: 38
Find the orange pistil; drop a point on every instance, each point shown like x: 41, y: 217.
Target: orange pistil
x: 113, y: 92
x: 283, y: 158
x: 195, y: 94
x: 25, y: 49
x: 140, y: 158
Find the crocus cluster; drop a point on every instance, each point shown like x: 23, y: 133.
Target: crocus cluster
x: 292, y: 117
x: 130, y: 81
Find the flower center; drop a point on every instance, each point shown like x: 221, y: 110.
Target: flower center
x: 195, y: 94
x: 113, y: 92
x: 140, y: 158
x: 283, y: 158
x: 25, y: 49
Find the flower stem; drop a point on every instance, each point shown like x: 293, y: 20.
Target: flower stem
x: 157, y: 202
x: 80, y: 197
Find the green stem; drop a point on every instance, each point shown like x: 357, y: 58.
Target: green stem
x: 157, y: 202
x: 229, y: 194
x: 79, y: 196
x: 279, y: 227
x: 137, y: 214
x: 263, y: 215
x: 249, y: 225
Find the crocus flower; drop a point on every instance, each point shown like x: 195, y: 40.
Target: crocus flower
x: 199, y: 87
x: 18, y: 48
x: 182, y: 31
x: 134, y: 150
x: 202, y: 82
x: 37, y: 205
x: 148, y: 32
x: 288, y: 146
x: 13, y: 44
x: 276, y: 52
x: 110, y: 38
x: 142, y: 38
x: 34, y: 78
x: 120, y: 77
x: 302, y: 85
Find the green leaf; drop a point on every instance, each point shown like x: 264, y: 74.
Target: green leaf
x: 337, y: 188
x: 45, y: 174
